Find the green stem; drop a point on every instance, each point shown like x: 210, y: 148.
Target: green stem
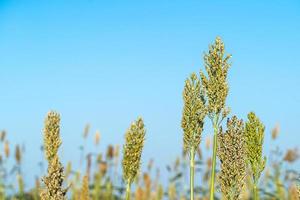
x: 214, y: 158
x: 128, y: 191
x: 255, y: 191
x: 192, y: 170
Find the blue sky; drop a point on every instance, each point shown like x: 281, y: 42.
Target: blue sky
x: 106, y: 63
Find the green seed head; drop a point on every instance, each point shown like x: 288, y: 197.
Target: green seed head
x: 215, y: 83
x: 231, y: 151
x: 132, y: 149
x: 254, y: 136
x: 194, y: 112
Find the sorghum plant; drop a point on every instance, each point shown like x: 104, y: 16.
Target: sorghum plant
x: 132, y: 151
x: 216, y: 86
x: 231, y: 152
x: 194, y: 112
x: 85, y: 195
x: 54, y: 180
x: 254, y: 136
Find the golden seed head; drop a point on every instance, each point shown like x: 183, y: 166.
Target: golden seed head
x: 254, y: 136
x: 54, y: 181
x: 55, y: 177
x: 216, y: 65
x: 291, y: 155
x: 52, y: 139
x: 275, y: 132
x: 85, y: 195
x: 97, y: 137
x: 132, y: 149
x: 139, y: 193
x: 193, y: 114
x: 231, y: 151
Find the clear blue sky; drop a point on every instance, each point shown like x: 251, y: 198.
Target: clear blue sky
x: 108, y: 62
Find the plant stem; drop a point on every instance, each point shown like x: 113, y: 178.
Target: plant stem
x: 214, y: 158
x: 192, y: 170
x: 128, y: 191
x: 255, y: 191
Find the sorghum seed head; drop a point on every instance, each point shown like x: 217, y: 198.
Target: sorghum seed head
x: 85, y: 195
x: 52, y: 139
x: 291, y: 155
x: 132, y: 149
x: 86, y: 131
x: 6, y: 149
x: 18, y: 154
x: 2, y: 135
x: 194, y: 112
x: 110, y: 152
x: 231, y: 151
x: 216, y: 65
x: 54, y: 181
x: 97, y: 137
x: 254, y: 136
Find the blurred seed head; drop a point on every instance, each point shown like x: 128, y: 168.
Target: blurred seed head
x: 275, y: 132
x: 86, y: 131
x: 2, y: 135
x: 6, y: 149
x: 110, y: 152
x: 97, y: 138
x: 291, y: 155
x: 18, y: 155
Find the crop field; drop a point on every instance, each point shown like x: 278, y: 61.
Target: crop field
x: 236, y: 169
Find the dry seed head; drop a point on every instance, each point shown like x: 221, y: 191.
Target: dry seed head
x: 216, y: 86
x: 275, y: 132
x: 6, y: 149
x: 97, y: 137
x: 2, y: 135
x: 110, y: 152
x: 86, y: 131
x: 254, y: 136
x: 85, y: 195
x: 54, y: 181
x: 18, y: 154
x: 291, y: 155
x: 139, y: 193
x: 52, y: 139
x: 231, y: 151
x: 193, y: 114
x: 132, y: 149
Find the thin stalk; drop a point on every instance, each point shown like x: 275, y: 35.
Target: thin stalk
x: 214, y: 158
x: 192, y: 171
x: 255, y: 191
x: 128, y: 191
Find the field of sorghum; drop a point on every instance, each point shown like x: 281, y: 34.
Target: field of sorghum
x: 237, y: 168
